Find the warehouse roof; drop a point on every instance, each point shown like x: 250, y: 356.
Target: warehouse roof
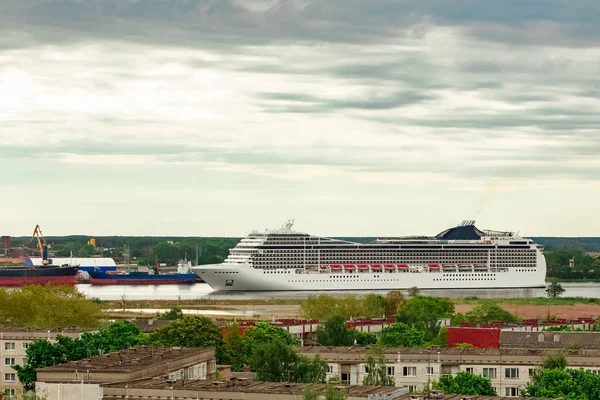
x: 73, y: 261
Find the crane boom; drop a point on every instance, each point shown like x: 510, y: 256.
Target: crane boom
x: 42, y: 245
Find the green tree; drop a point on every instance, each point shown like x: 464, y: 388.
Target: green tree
x: 309, y: 394
x: 335, y: 393
x: 376, y: 370
x: 569, y: 384
x: 333, y: 332
x: 264, y: 332
x: 413, y: 291
x: 189, y: 331
x: 173, y: 314
x: 365, y: 338
x: 393, y: 301
x: 465, y: 383
x: 554, y: 361
x: 424, y: 312
x: 555, y: 289
x: 488, y: 312
x: 278, y: 362
x: 48, y: 306
x: 43, y: 353
x: 457, y: 319
x: 401, y: 335
x: 373, y: 306
x: 233, y: 348
x: 310, y: 370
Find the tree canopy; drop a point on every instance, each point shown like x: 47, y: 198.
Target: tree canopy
x: 465, y: 383
x: 487, y: 312
x: 42, y: 353
x: 423, y: 313
x: 401, y: 335
x: 376, y: 370
x: 569, y: 384
x: 555, y: 289
x: 189, y: 331
x: 48, y: 306
x: 333, y: 332
x: 278, y: 362
x: 261, y: 333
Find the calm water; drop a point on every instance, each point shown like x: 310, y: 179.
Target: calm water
x: 203, y: 291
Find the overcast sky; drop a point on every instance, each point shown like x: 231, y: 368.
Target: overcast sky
x: 355, y: 117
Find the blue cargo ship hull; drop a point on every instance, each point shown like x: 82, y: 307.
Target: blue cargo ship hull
x: 139, y: 278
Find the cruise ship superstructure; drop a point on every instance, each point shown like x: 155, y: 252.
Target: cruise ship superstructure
x: 462, y: 257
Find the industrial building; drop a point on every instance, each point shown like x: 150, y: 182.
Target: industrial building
x: 13, y: 346
x: 84, y: 379
x: 85, y: 264
x: 508, y: 369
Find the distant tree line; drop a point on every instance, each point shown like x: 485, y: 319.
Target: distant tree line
x: 586, y: 266
x: 143, y: 250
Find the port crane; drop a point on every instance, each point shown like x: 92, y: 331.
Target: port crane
x: 42, y: 245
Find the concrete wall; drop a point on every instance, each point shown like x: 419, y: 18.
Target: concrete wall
x: 69, y: 391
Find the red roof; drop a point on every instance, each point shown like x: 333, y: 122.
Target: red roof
x: 349, y: 266
x: 434, y: 265
x: 336, y: 266
x: 363, y: 266
x: 390, y: 266
x: 404, y: 266
x: 376, y: 266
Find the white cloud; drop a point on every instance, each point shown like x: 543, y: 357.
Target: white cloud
x: 387, y: 110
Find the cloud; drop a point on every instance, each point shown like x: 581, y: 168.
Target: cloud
x: 317, y: 99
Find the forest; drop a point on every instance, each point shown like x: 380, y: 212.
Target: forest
x: 169, y: 250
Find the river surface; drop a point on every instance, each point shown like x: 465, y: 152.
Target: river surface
x: 203, y: 291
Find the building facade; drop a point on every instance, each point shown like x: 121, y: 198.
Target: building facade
x: 508, y: 369
x: 84, y: 379
x: 13, y: 347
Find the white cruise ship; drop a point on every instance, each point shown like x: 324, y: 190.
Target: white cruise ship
x: 462, y: 257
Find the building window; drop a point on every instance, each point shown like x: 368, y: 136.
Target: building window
x: 409, y: 371
x: 10, y: 377
x: 489, y: 373
x: 9, y: 392
x: 9, y: 346
x: 390, y: 371
x: 429, y: 370
x: 470, y: 370
x: 25, y: 345
x: 531, y: 372
x: 412, y: 389
x: 511, y: 391
x: 25, y: 360
x: 511, y: 372
x: 346, y: 378
x: 330, y: 369
x: 9, y: 361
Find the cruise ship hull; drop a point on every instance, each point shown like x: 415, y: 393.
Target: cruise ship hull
x: 245, y: 278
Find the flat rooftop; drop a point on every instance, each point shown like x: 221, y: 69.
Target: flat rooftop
x: 243, y: 385
x: 130, y: 360
x: 444, y: 351
x: 150, y: 387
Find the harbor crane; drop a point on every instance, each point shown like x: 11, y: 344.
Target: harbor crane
x: 42, y: 245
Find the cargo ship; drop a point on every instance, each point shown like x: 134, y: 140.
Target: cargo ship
x: 55, y: 275
x: 183, y: 275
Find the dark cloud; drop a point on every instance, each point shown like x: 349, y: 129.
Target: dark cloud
x: 302, y: 103
x: 202, y: 22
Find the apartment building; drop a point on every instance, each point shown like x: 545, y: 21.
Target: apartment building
x: 13, y: 346
x: 84, y: 379
x: 508, y: 369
